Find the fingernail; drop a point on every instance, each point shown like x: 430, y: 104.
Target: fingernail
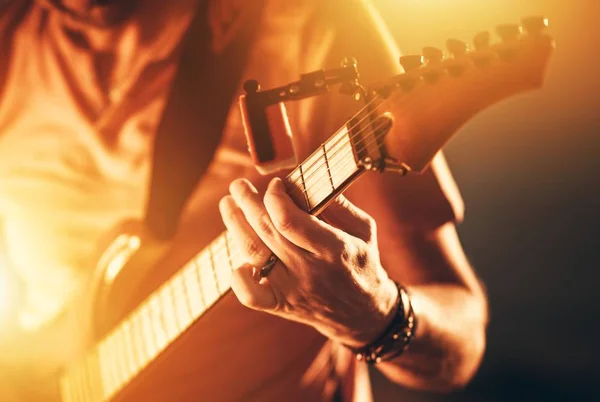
x: 278, y: 186
x: 243, y: 184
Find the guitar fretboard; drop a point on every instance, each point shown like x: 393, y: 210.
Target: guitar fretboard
x: 180, y: 301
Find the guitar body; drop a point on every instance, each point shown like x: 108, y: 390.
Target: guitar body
x: 227, y: 355
x: 166, y: 325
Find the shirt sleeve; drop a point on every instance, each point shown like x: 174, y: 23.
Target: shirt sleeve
x: 354, y: 28
x: 12, y: 14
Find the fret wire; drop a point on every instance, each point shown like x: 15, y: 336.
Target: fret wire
x: 123, y: 361
x: 321, y: 185
x: 182, y: 303
x: 145, y: 350
x: 212, y: 266
x: 338, y: 167
x: 231, y: 257
x: 337, y: 170
x: 343, y: 148
x: 335, y: 142
x: 109, y: 368
x: 146, y: 319
x: 316, y: 168
x: 197, y: 269
x: 105, y: 371
x: 351, y: 136
x: 370, y: 113
x: 166, y: 299
x: 157, y: 323
x: 136, y: 342
x: 301, y: 170
x: 117, y: 363
x: 131, y: 345
x: 334, y: 167
x: 338, y: 163
x: 130, y: 367
x: 151, y: 325
x: 211, y: 290
x: 113, y: 343
x: 316, y: 192
x: 376, y: 138
x: 228, y: 251
x: 115, y: 367
x: 327, y: 166
x: 221, y: 262
x: 193, y: 290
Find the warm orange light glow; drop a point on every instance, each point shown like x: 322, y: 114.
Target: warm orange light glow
x: 7, y: 297
x: 118, y: 254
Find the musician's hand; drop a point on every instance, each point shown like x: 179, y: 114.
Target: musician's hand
x: 329, y: 275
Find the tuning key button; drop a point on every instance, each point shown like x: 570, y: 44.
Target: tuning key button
x: 411, y: 62
x: 251, y: 86
x: 482, y: 40
x: 433, y: 55
x: 508, y: 32
x: 456, y: 47
x: 534, y: 25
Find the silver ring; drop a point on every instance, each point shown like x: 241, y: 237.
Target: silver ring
x: 266, y: 269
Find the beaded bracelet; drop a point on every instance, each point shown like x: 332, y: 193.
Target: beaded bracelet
x: 396, y: 337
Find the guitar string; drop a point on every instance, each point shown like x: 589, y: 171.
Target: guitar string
x: 371, y: 113
x: 418, y: 79
x: 119, y: 332
x: 351, y: 136
x: 344, y: 162
x: 237, y: 253
x: 336, y: 166
x: 362, y: 109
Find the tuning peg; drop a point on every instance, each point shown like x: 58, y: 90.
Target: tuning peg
x: 433, y: 55
x: 411, y: 62
x: 508, y: 32
x: 456, y: 47
x: 482, y: 40
x: 251, y: 86
x: 534, y: 25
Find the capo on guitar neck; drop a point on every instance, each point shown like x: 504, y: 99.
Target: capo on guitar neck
x: 265, y: 118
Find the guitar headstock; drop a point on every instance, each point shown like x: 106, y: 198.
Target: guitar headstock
x: 436, y: 95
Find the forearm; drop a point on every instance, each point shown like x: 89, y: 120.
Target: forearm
x: 449, y: 340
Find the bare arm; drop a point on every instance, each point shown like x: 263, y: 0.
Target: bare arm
x: 451, y: 310
x: 336, y: 275
x: 418, y: 243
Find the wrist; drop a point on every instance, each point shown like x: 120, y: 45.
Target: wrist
x: 386, y: 309
x: 393, y: 340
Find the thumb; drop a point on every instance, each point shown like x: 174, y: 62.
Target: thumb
x: 347, y: 217
x: 251, y: 292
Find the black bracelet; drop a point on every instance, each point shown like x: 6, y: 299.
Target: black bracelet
x: 396, y: 337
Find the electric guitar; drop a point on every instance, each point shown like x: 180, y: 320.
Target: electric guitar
x: 425, y: 106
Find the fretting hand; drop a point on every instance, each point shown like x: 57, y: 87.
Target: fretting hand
x: 329, y: 275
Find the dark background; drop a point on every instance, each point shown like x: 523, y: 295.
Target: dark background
x: 528, y: 171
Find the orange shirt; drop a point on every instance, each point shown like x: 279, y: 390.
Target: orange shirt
x: 78, y: 109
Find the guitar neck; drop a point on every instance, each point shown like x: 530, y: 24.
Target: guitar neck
x: 157, y: 322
